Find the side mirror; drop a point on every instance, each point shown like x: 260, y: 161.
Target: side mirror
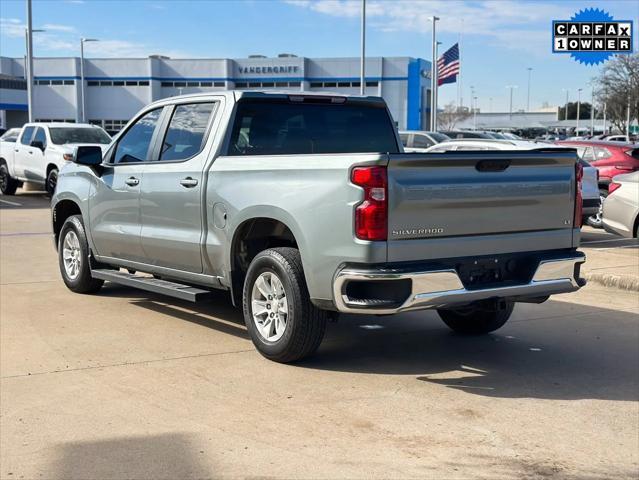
x: 88, y: 155
x: 37, y: 144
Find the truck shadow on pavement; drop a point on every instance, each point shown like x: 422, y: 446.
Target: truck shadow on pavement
x: 165, y: 456
x: 551, y: 351
x: 218, y: 314
x: 564, y: 356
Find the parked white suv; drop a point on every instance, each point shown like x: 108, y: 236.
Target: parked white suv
x: 41, y: 150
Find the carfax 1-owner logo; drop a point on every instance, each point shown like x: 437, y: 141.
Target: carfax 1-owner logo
x: 592, y: 36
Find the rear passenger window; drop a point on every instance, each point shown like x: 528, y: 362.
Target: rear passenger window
x: 602, y: 153
x: 186, y: 134
x: 420, y: 141
x: 585, y: 153
x: 404, y: 138
x: 27, y: 133
x: 134, y: 145
x: 290, y: 127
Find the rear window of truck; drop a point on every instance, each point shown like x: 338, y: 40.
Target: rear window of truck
x: 285, y: 127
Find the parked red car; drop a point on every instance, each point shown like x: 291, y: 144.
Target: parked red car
x: 610, y: 158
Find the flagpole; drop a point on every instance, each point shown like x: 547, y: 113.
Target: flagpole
x: 437, y: 44
x: 433, y: 79
x: 460, y: 89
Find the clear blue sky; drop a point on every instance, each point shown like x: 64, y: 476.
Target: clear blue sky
x: 501, y: 39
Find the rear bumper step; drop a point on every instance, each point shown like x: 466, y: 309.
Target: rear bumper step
x: 150, y: 284
x: 443, y: 288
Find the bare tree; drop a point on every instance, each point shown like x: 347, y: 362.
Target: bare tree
x: 447, y: 120
x: 616, y: 86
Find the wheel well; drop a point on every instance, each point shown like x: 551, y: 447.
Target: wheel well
x: 250, y: 238
x: 635, y: 228
x: 50, y: 167
x: 63, y: 210
x: 3, y: 161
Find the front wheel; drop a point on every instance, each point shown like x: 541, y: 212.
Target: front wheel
x: 8, y: 184
x: 477, y: 320
x: 73, y: 257
x: 281, y: 320
x: 52, y: 181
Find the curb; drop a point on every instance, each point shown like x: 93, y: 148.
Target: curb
x: 623, y: 282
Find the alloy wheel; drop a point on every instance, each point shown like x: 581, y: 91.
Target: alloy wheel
x: 72, y: 255
x: 269, y: 306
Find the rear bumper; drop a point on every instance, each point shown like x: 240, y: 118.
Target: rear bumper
x: 443, y: 288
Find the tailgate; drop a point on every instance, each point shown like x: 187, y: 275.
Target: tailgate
x: 447, y: 200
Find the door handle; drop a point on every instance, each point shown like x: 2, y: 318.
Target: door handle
x: 30, y: 152
x: 132, y: 181
x: 16, y: 150
x: 188, y: 182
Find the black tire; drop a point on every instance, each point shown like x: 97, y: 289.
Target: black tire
x: 52, y: 181
x: 305, y: 323
x: 596, y: 220
x: 8, y: 184
x: 476, y: 321
x: 82, y: 282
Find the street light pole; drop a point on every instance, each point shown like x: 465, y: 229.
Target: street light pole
x: 592, y: 111
x: 433, y: 79
x: 475, y: 114
x: 510, y: 108
x: 28, y: 68
x: 578, y: 110
x: 362, y: 67
x: 528, y: 101
x: 29, y: 64
x: 567, y: 90
x: 82, y: 101
x: 628, y: 119
x: 604, y: 119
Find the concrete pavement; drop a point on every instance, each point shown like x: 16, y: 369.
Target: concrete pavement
x: 124, y: 384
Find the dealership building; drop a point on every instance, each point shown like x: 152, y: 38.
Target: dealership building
x: 115, y: 89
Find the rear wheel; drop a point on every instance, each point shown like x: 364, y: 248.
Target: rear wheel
x: 74, y: 258
x: 596, y: 220
x: 477, y: 320
x: 281, y: 320
x: 52, y: 181
x: 8, y: 184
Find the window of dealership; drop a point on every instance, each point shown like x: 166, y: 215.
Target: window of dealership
x: 116, y: 88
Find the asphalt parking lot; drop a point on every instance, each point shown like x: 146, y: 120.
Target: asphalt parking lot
x: 125, y: 384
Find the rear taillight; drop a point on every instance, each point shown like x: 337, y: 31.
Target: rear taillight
x: 612, y: 187
x: 579, y: 174
x: 371, y: 215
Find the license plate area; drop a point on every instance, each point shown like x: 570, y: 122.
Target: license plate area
x: 496, y: 271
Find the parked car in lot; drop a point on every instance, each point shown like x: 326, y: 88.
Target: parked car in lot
x: 621, y: 207
x: 454, y: 134
x: 591, y: 202
x: 617, y: 138
x: 40, y: 151
x: 303, y: 206
x: 418, y: 141
x: 10, y: 136
x: 610, y: 159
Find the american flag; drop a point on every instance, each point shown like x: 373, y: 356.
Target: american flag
x: 448, y: 66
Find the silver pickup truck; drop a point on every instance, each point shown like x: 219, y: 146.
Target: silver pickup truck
x: 303, y: 206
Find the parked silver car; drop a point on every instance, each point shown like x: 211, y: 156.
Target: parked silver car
x: 418, y: 140
x: 621, y: 207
